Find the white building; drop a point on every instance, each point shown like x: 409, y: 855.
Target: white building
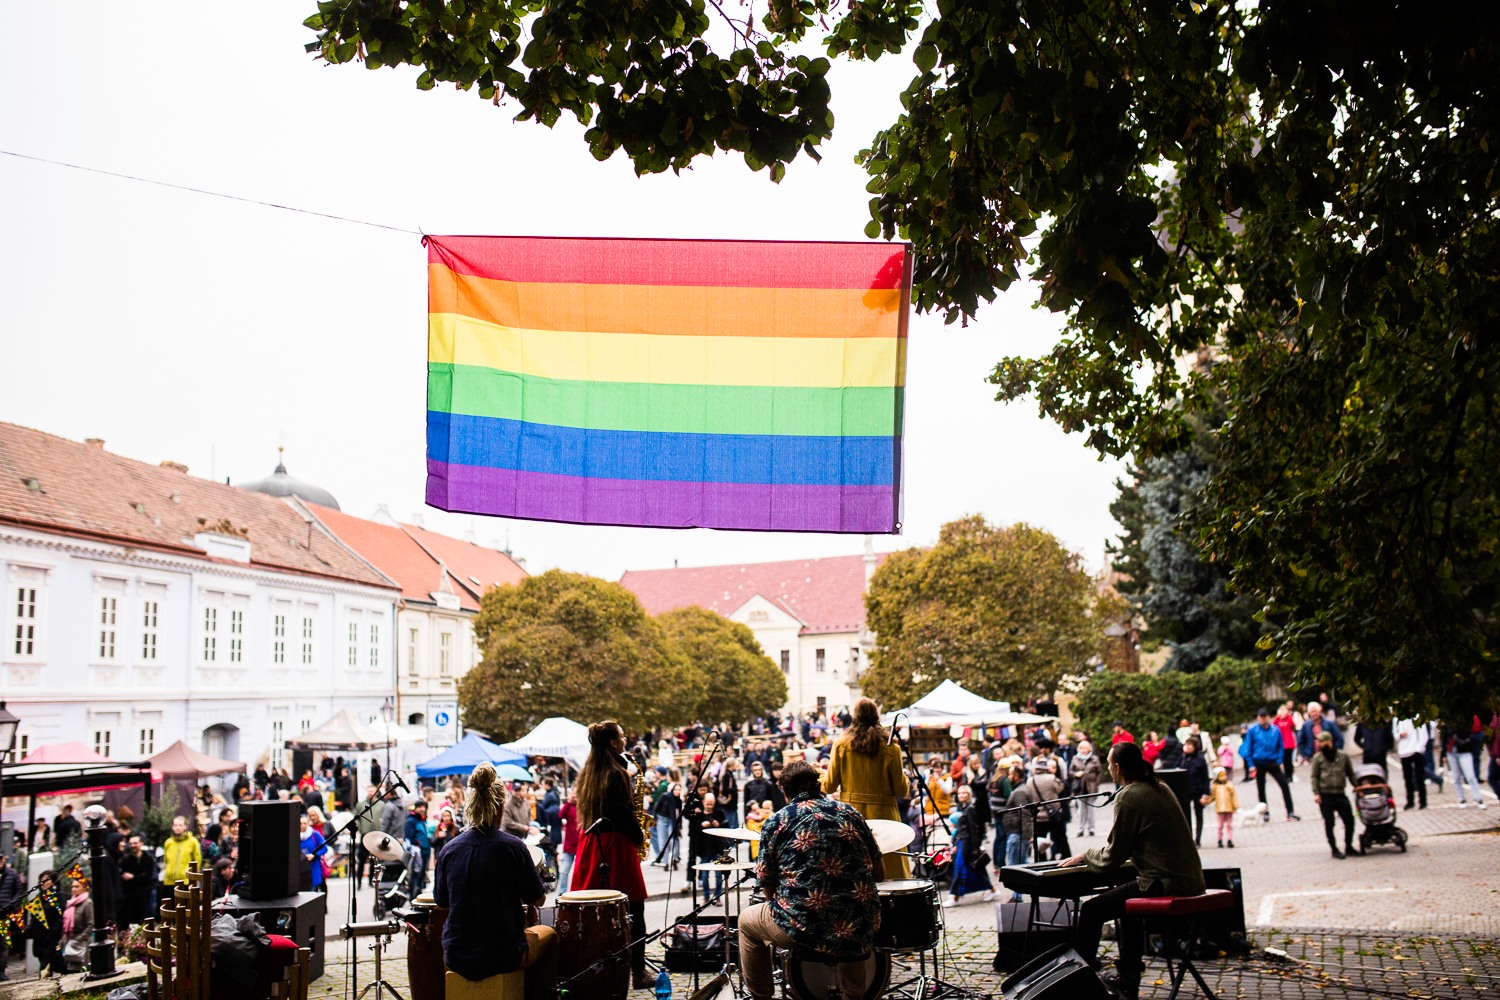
x: 143, y: 605
x: 441, y: 580
x: 807, y: 614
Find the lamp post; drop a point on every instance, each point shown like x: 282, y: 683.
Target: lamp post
x: 101, y: 949
x: 387, y: 713
x: 8, y: 726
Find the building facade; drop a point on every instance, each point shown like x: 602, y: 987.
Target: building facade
x: 807, y: 614
x: 143, y: 605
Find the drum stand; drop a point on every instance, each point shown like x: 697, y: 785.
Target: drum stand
x: 382, y: 932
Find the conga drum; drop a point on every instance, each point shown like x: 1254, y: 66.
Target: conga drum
x: 593, y: 946
x: 424, y: 948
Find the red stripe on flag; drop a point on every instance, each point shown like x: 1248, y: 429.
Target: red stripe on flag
x: 708, y: 263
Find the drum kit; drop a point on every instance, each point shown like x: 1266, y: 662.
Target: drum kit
x: 911, y: 923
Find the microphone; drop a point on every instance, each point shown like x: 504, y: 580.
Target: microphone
x: 393, y: 781
x: 596, y: 824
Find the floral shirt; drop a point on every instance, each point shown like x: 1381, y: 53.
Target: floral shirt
x: 818, y: 866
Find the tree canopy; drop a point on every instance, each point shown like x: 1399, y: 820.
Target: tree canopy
x: 1307, y: 189
x: 573, y: 645
x: 1006, y: 612
x: 739, y: 681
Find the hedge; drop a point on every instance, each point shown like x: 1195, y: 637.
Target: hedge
x: 1219, y: 698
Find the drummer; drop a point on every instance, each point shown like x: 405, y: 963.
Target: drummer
x: 818, y: 867
x: 484, y: 877
x: 867, y: 773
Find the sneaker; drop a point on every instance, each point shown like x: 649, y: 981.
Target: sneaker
x: 951, y: 901
x: 1462, y: 804
x: 989, y: 895
x: 1231, y: 843
x: 1478, y: 803
x: 1293, y: 818
x: 1221, y: 841
x: 1016, y: 897
x: 1265, y: 817
x: 1338, y: 854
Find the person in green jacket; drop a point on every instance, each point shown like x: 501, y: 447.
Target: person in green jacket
x: 1151, y: 833
x: 1331, y: 768
x: 180, y: 850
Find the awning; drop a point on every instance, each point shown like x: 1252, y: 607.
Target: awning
x: 181, y: 760
x: 555, y: 737
x: 72, y: 752
x: 467, y: 754
x: 342, y: 732
x: 951, y: 704
x: 51, y: 779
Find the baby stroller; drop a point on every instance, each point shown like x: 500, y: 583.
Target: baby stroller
x: 1377, y: 808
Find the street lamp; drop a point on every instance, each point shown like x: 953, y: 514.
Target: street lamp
x: 8, y: 725
x: 388, y: 712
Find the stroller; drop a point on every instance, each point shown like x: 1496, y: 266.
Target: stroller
x: 1377, y: 808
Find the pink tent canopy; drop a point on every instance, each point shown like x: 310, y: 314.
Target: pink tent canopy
x: 180, y: 760
x: 72, y: 752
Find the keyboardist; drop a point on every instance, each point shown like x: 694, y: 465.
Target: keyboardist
x: 1150, y: 832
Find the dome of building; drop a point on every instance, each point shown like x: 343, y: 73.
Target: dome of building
x: 280, y: 484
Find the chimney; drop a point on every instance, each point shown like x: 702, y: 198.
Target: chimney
x: 869, y: 561
x: 174, y: 466
x: 97, y: 443
x: 384, y: 516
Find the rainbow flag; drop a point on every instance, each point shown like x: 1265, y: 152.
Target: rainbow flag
x: 667, y: 383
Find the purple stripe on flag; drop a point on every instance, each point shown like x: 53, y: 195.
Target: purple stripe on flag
x: 542, y: 496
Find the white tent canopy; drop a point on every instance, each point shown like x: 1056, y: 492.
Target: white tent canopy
x: 951, y: 704
x: 555, y: 737
x: 342, y: 732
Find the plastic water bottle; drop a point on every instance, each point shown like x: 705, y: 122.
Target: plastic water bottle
x: 663, y: 985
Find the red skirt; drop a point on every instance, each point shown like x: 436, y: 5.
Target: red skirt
x: 619, y: 853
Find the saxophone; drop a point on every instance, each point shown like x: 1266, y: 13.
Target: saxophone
x: 640, y: 794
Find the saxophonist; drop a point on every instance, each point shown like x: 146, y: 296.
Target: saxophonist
x: 609, y: 849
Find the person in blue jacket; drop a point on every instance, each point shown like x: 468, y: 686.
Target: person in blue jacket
x: 1317, y: 722
x: 1261, y: 749
x: 416, y: 834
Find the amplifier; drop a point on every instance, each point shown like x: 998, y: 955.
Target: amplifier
x: 270, y: 851
x: 299, y: 917
x: 1015, y: 947
x: 1060, y: 974
x: 1224, y: 930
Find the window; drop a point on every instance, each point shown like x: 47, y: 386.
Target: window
x: 374, y: 645
x: 148, y: 742
x: 26, y: 621
x: 353, y: 644
x: 445, y: 655
x: 786, y: 661
x: 306, y: 725
x: 23, y: 747
x: 820, y: 660
x: 210, y: 634
x: 278, y: 638
x: 411, y: 652
x: 108, y: 619
x: 307, y: 640
x: 236, y: 636
x: 150, y: 619
x: 278, y: 744
x: 102, y: 740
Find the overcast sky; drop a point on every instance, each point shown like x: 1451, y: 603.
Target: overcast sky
x: 207, y: 331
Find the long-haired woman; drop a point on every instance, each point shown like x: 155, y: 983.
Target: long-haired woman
x: 607, y: 857
x: 866, y: 771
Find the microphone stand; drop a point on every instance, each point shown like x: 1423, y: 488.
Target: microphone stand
x: 350, y: 826
x: 713, y: 745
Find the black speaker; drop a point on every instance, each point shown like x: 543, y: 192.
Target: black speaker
x: 269, y: 850
x: 300, y: 916
x: 1060, y: 974
x: 1224, y: 930
x: 1016, y: 947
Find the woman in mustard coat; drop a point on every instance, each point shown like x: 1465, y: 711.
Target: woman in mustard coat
x: 865, y: 769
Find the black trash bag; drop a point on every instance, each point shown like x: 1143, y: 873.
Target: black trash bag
x: 239, y: 945
x: 135, y: 992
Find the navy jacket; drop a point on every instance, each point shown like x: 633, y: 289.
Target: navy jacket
x: 1307, y: 744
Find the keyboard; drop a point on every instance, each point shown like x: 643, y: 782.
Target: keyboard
x: 1046, y: 878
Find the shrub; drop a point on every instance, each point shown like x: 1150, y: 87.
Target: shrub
x: 1221, y: 697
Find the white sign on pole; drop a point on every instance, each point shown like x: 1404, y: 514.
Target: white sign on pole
x: 442, y: 723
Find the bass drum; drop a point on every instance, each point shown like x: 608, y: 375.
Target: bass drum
x: 815, y: 980
x: 910, y: 918
x: 593, y: 925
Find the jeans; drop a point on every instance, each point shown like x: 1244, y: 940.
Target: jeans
x: 703, y: 881
x: 1272, y: 768
x: 656, y: 840
x: 731, y: 818
x: 663, y: 831
x: 1337, y: 805
x: 564, y: 871
x: 1413, y: 775
x: 1198, y: 816
x: 1085, y: 816
x: 1463, y: 770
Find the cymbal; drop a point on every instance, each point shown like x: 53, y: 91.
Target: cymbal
x: 382, y: 847
x: 891, y: 835
x: 734, y: 833
x: 724, y: 866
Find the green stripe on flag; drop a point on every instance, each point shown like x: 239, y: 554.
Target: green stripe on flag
x: 690, y: 409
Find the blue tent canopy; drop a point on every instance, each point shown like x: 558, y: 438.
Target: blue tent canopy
x: 467, y: 754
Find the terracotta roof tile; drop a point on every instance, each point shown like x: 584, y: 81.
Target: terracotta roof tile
x: 474, y: 568
x: 388, y: 548
x: 51, y: 483
x: 826, y: 595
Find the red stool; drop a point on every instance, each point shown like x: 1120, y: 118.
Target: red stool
x: 1180, y: 910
